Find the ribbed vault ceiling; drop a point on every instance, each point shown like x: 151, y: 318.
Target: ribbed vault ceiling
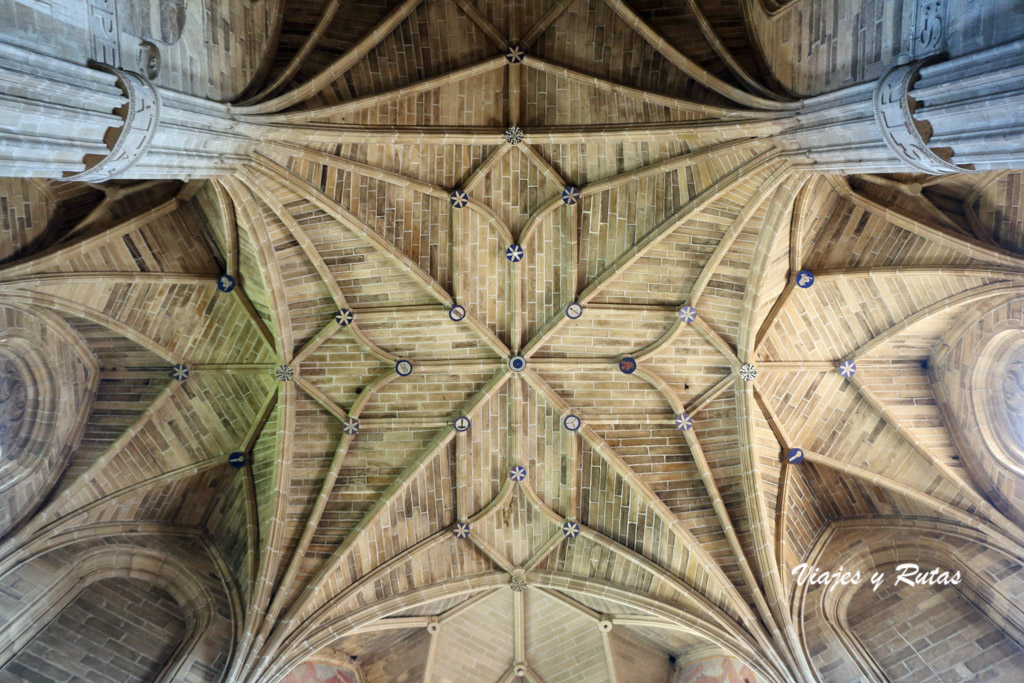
x: 364, y: 523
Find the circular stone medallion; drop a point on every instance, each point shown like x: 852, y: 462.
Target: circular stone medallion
x: 462, y: 423
x: 344, y: 317
x: 627, y: 365
x: 225, y: 283
x: 517, y: 363
x: 456, y: 313
x: 795, y: 456
x: 572, y: 423
x: 687, y: 314
x: 804, y: 279
x: 514, y: 253
x: 403, y: 368
x: 237, y: 459
x: 573, y: 311
x: 458, y: 199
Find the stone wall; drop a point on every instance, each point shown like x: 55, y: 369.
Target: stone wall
x: 931, y: 633
x: 117, y: 630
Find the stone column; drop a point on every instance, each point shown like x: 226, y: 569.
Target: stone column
x: 937, y: 117
x: 67, y: 121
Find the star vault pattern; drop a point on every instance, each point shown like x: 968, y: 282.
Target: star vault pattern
x: 651, y: 473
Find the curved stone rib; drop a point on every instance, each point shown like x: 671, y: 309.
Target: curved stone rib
x: 705, y: 609
x: 337, y: 68
x: 301, y: 116
x: 947, y: 473
x: 263, y: 588
x: 318, y: 263
x: 544, y: 165
x: 378, y: 242
x: 746, y: 345
x: 327, y: 486
x: 673, y: 164
x: 342, y: 215
x: 36, y: 525
x: 126, y: 277
x: 708, y: 271
x: 60, y: 525
x: 310, y: 623
x: 769, y: 617
x: 651, y: 239
x: 308, y: 45
x: 943, y: 236
x: 441, y: 439
x: 400, y: 180
x: 658, y: 132
x: 764, y: 557
x: 481, y: 22
x: 773, y: 314
x: 958, y: 299
x: 542, y: 25
x: 59, y: 304
x: 655, y: 236
x: 50, y: 258
x: 723, y: 53
x: 244, y: 200
x: 478, y: 174
x: 939, y: 506
x: 644, y: 491
x: 319, y: 628
x: 691, y: 68
x: 653, y: 98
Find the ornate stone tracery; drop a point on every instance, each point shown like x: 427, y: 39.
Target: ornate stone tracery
x: 349, y: 215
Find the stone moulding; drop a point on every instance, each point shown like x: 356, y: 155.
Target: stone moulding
x: 141, y: 120
x: 891, y: 103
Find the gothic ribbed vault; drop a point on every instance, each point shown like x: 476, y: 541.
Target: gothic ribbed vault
x: 545, y: 348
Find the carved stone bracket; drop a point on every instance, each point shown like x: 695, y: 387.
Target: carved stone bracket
x: 141, y: 119
x: 895, y: 120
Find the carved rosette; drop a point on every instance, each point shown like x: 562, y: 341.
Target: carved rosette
x: 895, y: 118
x: 141, y: 119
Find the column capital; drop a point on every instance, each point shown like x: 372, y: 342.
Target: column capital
x: 141, y: 115
x: 894, y: 115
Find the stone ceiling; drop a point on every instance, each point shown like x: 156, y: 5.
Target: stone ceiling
x: 567, y: 402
